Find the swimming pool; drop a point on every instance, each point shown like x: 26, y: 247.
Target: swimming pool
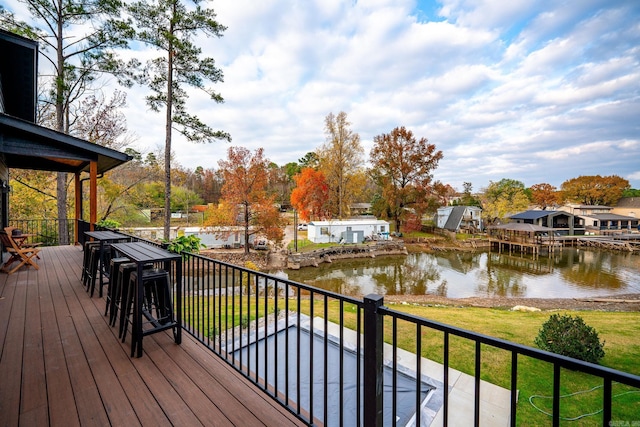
x: 306, y: 376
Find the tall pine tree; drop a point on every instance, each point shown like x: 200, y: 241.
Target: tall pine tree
x: 169, y: 27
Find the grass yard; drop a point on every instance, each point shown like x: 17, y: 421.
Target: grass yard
x: 619, y: 330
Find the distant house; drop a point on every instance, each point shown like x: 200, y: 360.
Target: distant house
x: 360, y: 209
x: 569, y: 223
x: 576, y: 209
x: 459, y: 218
x: 349, y: 231
x: 216, y: 238
x: 598, y: 218
x: 609, y: 221
x: 629, y: 206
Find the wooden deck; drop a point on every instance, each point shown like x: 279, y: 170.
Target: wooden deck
x: 62, y: 364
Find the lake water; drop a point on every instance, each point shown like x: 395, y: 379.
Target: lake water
x: 570, y: 273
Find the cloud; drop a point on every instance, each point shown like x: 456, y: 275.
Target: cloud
x: 539, y: 91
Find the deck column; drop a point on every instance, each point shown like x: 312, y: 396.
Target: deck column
x: 373, y: 373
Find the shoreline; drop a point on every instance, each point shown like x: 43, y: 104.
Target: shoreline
x: 623, y: 303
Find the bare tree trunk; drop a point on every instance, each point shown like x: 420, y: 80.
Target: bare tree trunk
x: 61, y: 181
x: 167, y: 144
x: 61, y: 203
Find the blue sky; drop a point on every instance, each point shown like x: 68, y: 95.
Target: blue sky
x: 539, y: 91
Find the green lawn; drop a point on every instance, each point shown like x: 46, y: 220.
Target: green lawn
x: 619, y: 330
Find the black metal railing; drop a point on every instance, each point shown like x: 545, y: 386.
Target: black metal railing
x: 45, y: 231
x: 336, y: 360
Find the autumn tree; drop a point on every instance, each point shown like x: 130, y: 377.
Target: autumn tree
x: 544, y: 195
x: 171, y: 27
x: 78, y: 40
x: 245, y: 200
x: 403, y: 166
x: 503, y: 198
x: 594, y: 190
x: 310, y: 197
x: 341, y: 159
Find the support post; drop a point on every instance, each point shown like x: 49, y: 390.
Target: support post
x: 77, y: 184
x: 373, y: 350
x: 93, y: 194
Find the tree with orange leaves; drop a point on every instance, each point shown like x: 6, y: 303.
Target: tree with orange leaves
x: 403, y: 167
x: 544, y: 195
x: 595, y: 190
x: 311, y: 195
x: 245, y: 201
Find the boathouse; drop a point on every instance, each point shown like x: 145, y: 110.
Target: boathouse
x: 522, y: 237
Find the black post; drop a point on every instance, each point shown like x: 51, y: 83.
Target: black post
x: 295, y: 230
x: 373, y: 348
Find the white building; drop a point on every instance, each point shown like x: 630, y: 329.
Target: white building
x: 457, y: 218
x: 216, y: 238
x: 348, y: 231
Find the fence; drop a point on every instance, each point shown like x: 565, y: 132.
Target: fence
x: 336, y: 360
x: 45, y: 231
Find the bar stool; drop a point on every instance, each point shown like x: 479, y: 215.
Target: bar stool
x: 120, y: 294
x: 156, y: 297
x: 92, y: 269
x: 114, y: 267
x: 86, y: 260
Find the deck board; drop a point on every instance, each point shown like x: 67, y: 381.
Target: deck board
x: 62, y: 364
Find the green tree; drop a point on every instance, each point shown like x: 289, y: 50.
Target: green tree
x: 78, y: 39
x: 594, y: 190
x: 310, y: 160
x: 467, y: 198
x: 503, y: 198
x: 170, y: 27
x: 341, y: 159
x: 403, y: 167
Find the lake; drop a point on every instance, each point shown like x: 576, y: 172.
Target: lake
x: 570, y: 273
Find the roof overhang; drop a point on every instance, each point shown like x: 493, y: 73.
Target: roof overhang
x: 26, y: 145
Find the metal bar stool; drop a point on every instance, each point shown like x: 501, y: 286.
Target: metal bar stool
x: 88, y: 245
x: 114, y: 267
x: 120, y: 295
x: 156, y: 306
x: 92, y: 269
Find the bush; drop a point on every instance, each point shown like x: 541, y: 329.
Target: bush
x: 185, y: 244
x: 570, y: 336
x: 108, y: 223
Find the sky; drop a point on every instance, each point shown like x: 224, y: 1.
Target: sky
x: 532, y: 90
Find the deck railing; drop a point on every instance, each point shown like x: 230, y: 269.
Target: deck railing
x: 335, y: 360
x: 45, y: 231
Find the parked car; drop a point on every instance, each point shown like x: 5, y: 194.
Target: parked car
x: 302, y: 227
x: 261, y: 245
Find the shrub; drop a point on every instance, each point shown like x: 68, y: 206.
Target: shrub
x: 570, y: 336
x: 185, y: 244
x: 108, y: 223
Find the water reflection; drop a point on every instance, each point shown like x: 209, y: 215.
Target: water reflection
x: 564, y: 274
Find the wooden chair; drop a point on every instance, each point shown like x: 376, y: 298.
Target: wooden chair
x: 17, y: 252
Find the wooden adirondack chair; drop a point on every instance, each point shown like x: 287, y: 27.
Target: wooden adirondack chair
x: 25, y: 253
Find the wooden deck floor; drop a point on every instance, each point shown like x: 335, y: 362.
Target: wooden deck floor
x: 62, y: 364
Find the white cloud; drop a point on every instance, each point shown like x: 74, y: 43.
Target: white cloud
x: 539, y: 91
